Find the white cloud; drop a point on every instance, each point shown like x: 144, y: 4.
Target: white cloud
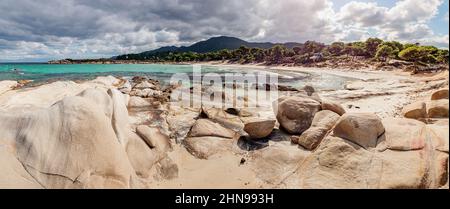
x: 86, y: 28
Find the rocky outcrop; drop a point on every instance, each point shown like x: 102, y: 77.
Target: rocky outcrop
x: 295, y: 114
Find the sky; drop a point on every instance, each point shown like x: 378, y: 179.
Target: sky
x: 56, y: 29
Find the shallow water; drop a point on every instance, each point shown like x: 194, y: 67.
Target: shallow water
x: 42, y: 73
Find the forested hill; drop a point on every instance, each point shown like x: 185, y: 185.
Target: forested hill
x: 211, y: 45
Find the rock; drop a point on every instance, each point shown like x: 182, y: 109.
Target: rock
x: 181, y: 120
x: 416, y: 110
x: 225, y: 119
x: 205, y: 147
x: 145, y: 85
x: 353, y: 86
x: 333, y: 106
x: 126, y: 87
x: 437, y: 108
x: 205, y: 127
x: 141, y: 156
x: 167, y: 169
x: 295, y: 114
x: 146, y: 93
x: 259, y: 128
x: 439, y: 136
x: 404, y: 134
x: 338, y: 164
x: 322, y: 123
x: 120, y: 119
x: 72, y: 144
x: 108, y: 81
x: 311, y: 138
x: 276, y: 162
x: 309, y: 90
x: 14, y: 175
x: 100, y: 97
x: 440, y: 94
x: 138, y: 102
x: 360, y: 128
x: 154, y: 138
x: 404, y: 170
x: 7, y: 86
x: 440, y: 169
x: 24, y: 82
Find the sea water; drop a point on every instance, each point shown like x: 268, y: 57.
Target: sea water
x: 43, y: 73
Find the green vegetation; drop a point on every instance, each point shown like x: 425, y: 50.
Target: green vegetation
x: 372, y: 49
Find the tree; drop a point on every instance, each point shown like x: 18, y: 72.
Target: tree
x: 371, y: 46
x: 384, y: 52
x: 276, y: 54
x: 312, y: 47
x: 442, y: 56
x: 419, y: 54
x: 336, y: 48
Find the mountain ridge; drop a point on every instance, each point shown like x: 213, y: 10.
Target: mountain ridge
x: 216, y: 44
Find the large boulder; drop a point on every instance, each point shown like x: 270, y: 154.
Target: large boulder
x: 72, y: 144
x: 259, y: 128
x: 205, y: 127
x: 322, y: 123
x: 363, y: 129
x: 437, y: 108
x: 295, y: 114
x: 404, y: 134
x: 440, y: 94
x: 416, y: 110
x: 333, y: 106
x: 339, y: 163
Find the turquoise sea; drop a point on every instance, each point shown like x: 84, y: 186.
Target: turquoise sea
x: 42, y: 73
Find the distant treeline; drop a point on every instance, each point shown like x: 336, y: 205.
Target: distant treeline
x: 373, y: 48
